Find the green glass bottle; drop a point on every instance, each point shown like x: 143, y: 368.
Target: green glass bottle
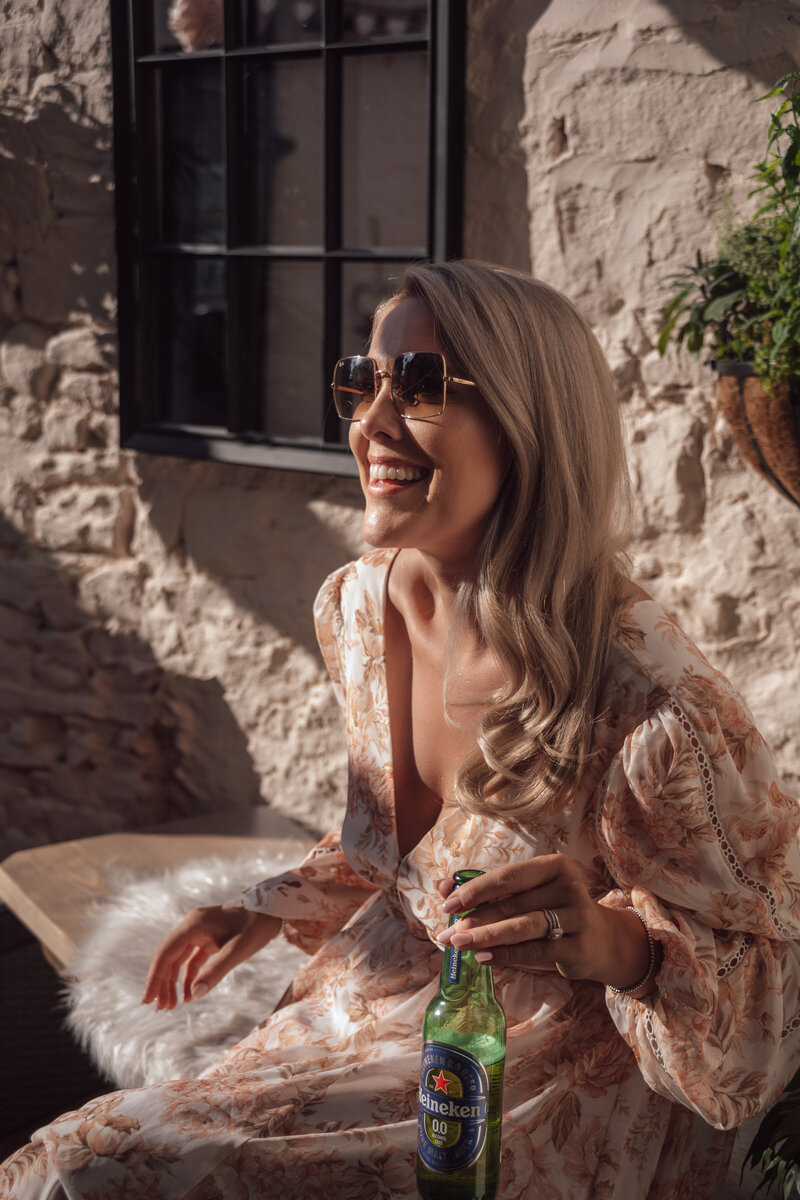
x: 461, y: 1080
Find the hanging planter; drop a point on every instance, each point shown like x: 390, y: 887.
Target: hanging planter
x: 744, y: 305
x: 765, y: 426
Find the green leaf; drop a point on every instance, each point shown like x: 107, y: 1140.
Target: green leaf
x: 789, y: 165
x: 792, y: 77
x: 722, y: 303
x: 677, y: 301
x: 779, y: 332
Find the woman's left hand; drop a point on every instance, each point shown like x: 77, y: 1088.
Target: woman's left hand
x: 511, y: 927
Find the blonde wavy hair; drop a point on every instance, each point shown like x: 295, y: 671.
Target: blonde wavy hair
x: 549, y: 578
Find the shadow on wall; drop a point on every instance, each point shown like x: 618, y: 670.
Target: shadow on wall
x: 94, y: 735
x: 495, y: 179
x: 755, y: 39
x: 269, y: 538
x: 56, y: 222
x: 761, y: 41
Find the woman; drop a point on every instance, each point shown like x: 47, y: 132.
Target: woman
x: 513, y: 703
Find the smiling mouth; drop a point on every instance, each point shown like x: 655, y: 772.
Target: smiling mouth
x: 380, y: 471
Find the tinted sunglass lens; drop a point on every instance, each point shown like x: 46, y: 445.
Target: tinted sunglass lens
x: 353, y: 386
x: 418, y: 383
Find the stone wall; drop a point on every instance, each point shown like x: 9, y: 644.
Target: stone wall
x: 639, y: 119
x: 156, y: 649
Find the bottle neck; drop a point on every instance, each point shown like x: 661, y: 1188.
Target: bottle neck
x: 461, y: 974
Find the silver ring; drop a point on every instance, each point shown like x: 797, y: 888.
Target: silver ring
x: 554, y: 931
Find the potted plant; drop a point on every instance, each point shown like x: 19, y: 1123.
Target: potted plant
x: 743, y: 305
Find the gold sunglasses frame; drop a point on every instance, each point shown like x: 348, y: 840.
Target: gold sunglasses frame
x: 379, y: 375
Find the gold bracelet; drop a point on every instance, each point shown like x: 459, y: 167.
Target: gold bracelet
x: 650, y: 966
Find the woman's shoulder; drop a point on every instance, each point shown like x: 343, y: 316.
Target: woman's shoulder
x: 654, y: 655
x: 651, y: 638
x: 359, y: 582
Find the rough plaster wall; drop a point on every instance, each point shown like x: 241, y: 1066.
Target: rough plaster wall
x: 156, y: 650
x: 636, y: 117
x: 495, y: 208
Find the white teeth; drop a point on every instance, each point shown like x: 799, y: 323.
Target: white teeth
x: 401, y: 474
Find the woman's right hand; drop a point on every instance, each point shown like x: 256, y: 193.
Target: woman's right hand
x: 209, y: 942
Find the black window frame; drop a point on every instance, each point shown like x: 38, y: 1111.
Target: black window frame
x: 445, y: 43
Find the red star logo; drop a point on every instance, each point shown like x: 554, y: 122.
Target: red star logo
x: 441, y: 1083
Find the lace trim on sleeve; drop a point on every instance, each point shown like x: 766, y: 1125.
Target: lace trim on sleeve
x: 654, y: 1046
x: 728, y: 852
x: 736, y: 956
x: 790, y: 1026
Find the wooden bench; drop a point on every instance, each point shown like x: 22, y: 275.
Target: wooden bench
x: 50, y: 889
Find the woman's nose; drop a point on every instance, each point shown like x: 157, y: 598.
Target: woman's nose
x: 382, y: 416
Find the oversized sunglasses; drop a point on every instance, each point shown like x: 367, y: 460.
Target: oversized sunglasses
x: 419, y: 382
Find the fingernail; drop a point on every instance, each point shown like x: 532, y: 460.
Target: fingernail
x: 451, y: 904
x: 483, y: 956
x: 199, y: 990
x: 460, y: 940
x: 443, y: 935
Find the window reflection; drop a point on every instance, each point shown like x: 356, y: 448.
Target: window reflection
x: 192, y: 200
x: 383, y: 18
x: 185, y: 307
x: 281, y: 173
x: 186, y: 25
x: 265, y: 22
x: 384, y: 176
x: 281, y: 306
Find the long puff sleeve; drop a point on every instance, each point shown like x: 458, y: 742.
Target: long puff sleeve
x: 317, y: 899
x: 697, y: 832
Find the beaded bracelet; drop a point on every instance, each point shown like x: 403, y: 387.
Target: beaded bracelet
x: 650, y: 966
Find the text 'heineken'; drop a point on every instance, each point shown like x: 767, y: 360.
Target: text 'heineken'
x: 461, y: 1080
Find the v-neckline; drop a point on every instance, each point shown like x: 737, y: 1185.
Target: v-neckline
x: 384, y: 678
x: 401, y: 859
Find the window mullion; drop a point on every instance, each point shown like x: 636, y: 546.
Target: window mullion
x: 332, y: 192
x: 446, y: 106
x: 232, y: 148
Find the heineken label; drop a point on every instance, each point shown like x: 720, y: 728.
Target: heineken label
x: 453, y: 965
x: 453, y: 1094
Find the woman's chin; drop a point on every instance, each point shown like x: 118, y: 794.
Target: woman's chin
x: 380, y: 541
x: 382, y: 534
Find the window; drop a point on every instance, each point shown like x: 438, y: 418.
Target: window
x: 277, y: 163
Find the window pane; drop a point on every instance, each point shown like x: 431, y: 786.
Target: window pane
x: 364, y: 285
x: 186, y: 25
x: 385, y: 150
x: 190, y: 178
x: 264, y: 22
x: 281, y: 339
x: 184, y: 306
x: 383, y: 18
x: 281, y: 162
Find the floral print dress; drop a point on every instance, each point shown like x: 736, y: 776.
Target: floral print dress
x: 605, y: 1096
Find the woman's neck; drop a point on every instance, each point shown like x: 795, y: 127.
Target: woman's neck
x: 427, y: 584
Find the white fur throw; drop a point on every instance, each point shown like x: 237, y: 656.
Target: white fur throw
x: 133, y: 1045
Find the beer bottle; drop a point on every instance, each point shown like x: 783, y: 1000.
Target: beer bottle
x: 461, y: 1080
